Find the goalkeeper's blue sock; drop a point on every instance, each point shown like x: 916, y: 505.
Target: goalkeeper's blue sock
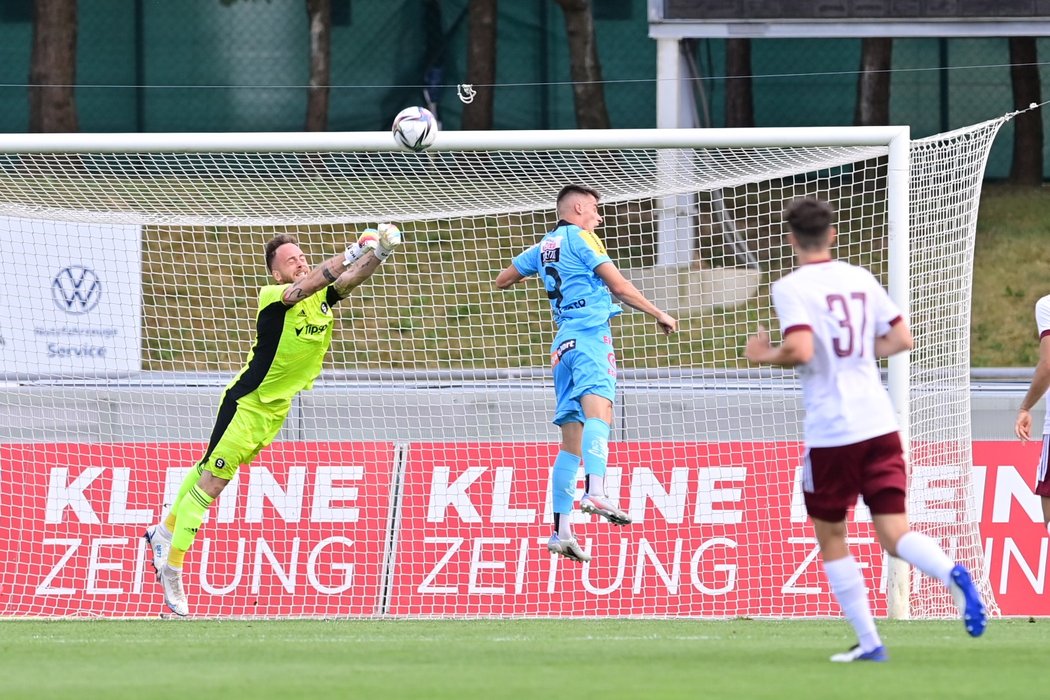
x: 563, y: 489
x: 595, y: 454
x: 848, y: 586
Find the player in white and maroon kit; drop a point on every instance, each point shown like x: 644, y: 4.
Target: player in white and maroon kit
x: 836, y: 322
x: 1036, y: 390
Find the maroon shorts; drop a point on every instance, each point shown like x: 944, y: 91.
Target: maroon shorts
x: 833, y: 477
x: 1042, y: 478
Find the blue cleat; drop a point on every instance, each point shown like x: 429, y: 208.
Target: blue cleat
x: 971, y: 608
x: 857, y: 654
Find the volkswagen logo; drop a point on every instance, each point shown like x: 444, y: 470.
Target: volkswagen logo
x: 76, y: 289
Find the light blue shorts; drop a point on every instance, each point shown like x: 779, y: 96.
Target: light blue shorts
x: 584, y: 363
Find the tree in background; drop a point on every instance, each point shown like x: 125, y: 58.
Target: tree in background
x: 481, y: 63
x: 1027, y: 165
x: 319, y: 14
x: 740, y: 104
x: 587, y: 87
x: 53, y: 67
x: 873, y: 83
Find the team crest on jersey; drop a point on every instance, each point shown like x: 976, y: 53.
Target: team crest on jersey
x: 324, y: 307
x: 593, y: 242
x: 550, y: 250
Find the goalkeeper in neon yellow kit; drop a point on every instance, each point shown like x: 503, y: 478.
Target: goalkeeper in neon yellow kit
x: 293, y: 332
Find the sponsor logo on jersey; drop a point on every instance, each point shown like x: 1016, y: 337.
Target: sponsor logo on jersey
x: 563, y: 347
x: 593, y: 242
x: 578, y: 304
x: 311, y: 329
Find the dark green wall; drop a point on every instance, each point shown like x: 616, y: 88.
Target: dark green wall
x: 210, y: 65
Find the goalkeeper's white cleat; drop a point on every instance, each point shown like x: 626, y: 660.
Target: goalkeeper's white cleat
x: 568, y: 547
x: 174, y: 593
x: 159, y: 540
x: 855, y: 653
x: 603, y: 507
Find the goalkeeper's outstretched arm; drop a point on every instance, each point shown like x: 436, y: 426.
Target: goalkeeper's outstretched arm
x: 350, y: 268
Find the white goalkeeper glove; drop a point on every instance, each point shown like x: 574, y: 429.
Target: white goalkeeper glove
x: 369, y: 240
x: 389, y: 238
x: 381, y: 240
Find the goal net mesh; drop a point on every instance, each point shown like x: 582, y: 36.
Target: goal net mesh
x: 414, y: 478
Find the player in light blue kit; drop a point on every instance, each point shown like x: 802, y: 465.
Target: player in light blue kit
x: 581, y: 281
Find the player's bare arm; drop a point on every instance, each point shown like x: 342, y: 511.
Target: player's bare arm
x: 344, y: 271
x: 797, y: 348
x: 508, y: 278
x: 355, y: 274
x: 624, y: 290
x: 315, y: 280
x: 897, y: 340
x: 1036, y: 390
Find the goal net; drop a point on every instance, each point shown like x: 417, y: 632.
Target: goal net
x: 414, y: 478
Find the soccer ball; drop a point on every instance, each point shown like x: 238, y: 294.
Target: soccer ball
x: 415, y: 128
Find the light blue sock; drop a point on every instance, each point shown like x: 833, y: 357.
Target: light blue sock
x: 595, y: 452
x: 563, y: 482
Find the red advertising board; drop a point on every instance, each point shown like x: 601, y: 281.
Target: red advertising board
x: 714, y: 534
x: 1013, y: 537
x: 719, y: 530
x: 300, y: 532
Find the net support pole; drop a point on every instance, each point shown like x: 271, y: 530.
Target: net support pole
x: 898, y: 579
x: 674, y: 96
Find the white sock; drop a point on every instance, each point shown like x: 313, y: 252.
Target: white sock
x: 564, y: 526
x: 923, y: 553
x: 163, y: 531
x: 596, y: 485
x: 848, y: 586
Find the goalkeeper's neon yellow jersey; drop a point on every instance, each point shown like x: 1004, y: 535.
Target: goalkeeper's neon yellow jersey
x: 290, y: 345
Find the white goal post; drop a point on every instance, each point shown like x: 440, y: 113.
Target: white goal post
x: 413, y: 479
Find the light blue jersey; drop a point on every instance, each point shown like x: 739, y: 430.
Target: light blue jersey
x: 565, y: 259
x: 582, y: 355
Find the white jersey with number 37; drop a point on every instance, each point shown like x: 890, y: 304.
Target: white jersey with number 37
x: 846, y: 308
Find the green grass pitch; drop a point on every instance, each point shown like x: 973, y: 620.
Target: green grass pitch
x: 486, y: 659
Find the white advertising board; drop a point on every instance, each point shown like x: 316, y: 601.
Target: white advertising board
x: 72, y: 298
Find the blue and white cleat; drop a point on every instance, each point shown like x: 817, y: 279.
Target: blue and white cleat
x: 159, y: 545
x: 174, y: 593
x: 857, y: 654
x: 971, y: 608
